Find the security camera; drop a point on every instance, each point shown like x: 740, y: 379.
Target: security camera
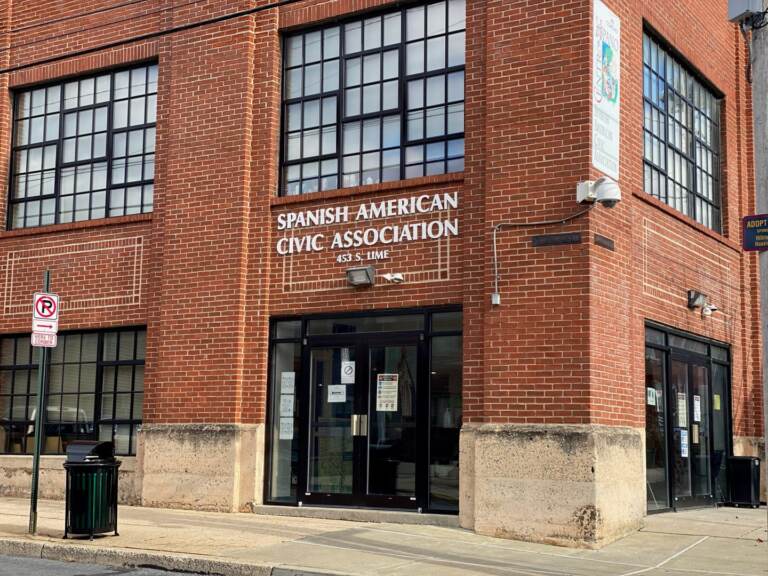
x: 608, y: 192
x: 395, y: 278
x: 708, y: 309
x: 603, y: 190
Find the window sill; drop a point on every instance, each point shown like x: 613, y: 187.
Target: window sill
x: 656, y: 203
x: 70, y: 226
x: 369, y: 189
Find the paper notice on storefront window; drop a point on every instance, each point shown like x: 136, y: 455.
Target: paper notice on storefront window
x: 682, y: 410
x: 337, y: 393
x: 695, y: 434
x: 286, y: 405
x: 650, y: 396
x: 696, y: 408
x: 287, y: 382
x: 286, y: 429
x: 684, y: 443
x: 386, y: 392
x: 348, y: 372
x: 716, y: 402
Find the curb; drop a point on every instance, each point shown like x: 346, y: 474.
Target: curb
x: 127, y: 558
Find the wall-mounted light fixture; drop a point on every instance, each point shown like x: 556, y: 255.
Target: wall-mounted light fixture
x: 700, y: 300
x: 696, y: 299
x: 361, y: 276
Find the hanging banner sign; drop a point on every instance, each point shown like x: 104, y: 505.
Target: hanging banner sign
x: 606, y: 97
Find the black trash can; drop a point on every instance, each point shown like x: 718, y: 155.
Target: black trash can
x: 91, y: 498
x: 744, y: 481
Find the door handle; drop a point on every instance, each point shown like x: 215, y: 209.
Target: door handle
x: 359, y: 425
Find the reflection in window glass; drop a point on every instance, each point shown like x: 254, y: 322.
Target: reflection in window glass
x: 655, y: 431
x: 374, y: 126
x: 681, y: 122
x: 79, y: 405
x: 445, y: 425
x: 286, y: 365
x: 63, y: 170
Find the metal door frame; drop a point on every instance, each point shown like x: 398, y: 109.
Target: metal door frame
x: 363, y: 342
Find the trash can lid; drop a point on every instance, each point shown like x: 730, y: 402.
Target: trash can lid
x: 90, y: 451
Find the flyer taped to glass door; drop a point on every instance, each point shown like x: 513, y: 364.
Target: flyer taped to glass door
x: 386, y: 392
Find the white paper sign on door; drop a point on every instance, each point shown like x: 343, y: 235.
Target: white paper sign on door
x: 337, y: 393
x: 287, y: 382
x: 697, y: 408
x: 682, y: 410
x: 348, y: 372
x: 684, y: 443
x: 386, y: 392
x: 286, y: 429
x: 286, y: 405
x: 650, y: 396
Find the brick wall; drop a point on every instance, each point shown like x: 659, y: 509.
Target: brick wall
x: 566, y: 344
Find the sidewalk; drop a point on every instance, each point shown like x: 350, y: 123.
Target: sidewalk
x: 725, y: 542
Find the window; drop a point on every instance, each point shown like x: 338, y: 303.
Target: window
x: 682, y: 137
x: 374, y: 99
x: 95, y: 391
x: 84, y: 149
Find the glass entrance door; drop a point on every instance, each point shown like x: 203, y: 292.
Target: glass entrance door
x: 332, y: 388
x: 691, y: 433
x: 392, y: 432
x: 363, y: 444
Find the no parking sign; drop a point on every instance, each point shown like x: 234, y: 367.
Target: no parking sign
x: 45, y: 319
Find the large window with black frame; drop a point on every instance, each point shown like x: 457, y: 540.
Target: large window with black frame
x: 374, y: 99
x: 84, y: 149
x: 95, y: 390
x: 681, y: 124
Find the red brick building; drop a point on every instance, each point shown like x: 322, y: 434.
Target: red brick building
x: 276, y: 229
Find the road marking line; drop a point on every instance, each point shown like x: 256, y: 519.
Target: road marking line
x: 660, y: 564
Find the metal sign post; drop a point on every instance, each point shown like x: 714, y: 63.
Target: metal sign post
x: 48, y: 304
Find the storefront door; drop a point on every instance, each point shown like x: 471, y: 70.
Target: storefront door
x: 365, y: 416
x: 687, y: 420
x: 691, y: 432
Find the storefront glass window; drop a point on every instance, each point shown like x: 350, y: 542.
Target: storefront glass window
x: 445, y: 422
x: 720, y: 402
x: 446, y: 322
x: 95, y: 391
x: 655, y: 431
x: 366, y: 324
x: 286, y: 368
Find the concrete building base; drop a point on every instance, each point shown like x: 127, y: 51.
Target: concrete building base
x: 578, y: 486
x: 16, y: 478
x: 217, y: 467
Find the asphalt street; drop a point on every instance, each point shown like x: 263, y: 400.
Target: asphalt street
x: 13, y: 566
